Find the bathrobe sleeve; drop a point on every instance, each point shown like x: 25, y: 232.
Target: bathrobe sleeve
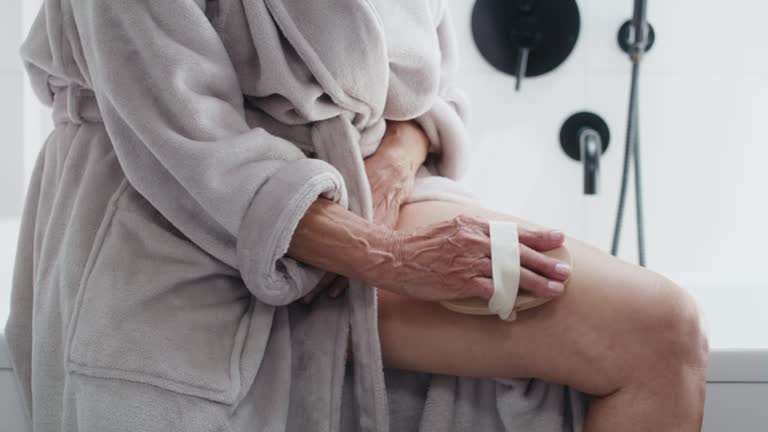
x: 445, y: 122
x: 173, y: 108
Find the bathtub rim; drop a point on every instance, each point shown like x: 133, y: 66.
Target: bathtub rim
x: 726, y: 365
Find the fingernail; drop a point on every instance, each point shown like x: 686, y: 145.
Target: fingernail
x: 563, y: 269
x: 556, y: 235
x: 555, y: 287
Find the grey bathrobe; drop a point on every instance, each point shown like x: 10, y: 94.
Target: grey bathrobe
x: 152, y: 291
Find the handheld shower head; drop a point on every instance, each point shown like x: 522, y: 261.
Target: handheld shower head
x: 636, y: 35
x: 639, y: 27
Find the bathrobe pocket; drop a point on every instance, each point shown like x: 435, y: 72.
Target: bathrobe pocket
x: 155, y: 308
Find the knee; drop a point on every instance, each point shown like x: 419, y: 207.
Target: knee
x: 672, y: 328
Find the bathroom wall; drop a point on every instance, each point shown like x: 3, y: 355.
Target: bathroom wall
x: 12, y: 147
x: 703, y: 146
x: 24, y: 123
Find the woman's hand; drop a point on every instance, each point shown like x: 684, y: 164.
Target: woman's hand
x: 391, y: 183
x: 332, y: 283
x: 391, y: 171
x: 452, y: 260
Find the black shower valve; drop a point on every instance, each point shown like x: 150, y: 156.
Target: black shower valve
x: 525, y: 38
x: 526, y: 32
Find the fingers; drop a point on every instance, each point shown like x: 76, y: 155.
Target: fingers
x: 537, y: 272
x: 338, y: 287
x: 324, y: 283
x: 482, y: 287
x: 546, y: 266
x: 541, y: 240
x: 332, y: 283
x: 309, y: 298
x: 537, y: 239
x: 539, y: 285
x: 486, y: 267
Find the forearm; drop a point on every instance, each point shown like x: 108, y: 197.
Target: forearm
x: 334, y: 239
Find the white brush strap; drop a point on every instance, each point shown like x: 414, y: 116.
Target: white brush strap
x: 505, y: 262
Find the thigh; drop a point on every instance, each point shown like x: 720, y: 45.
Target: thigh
x: 579, y: 339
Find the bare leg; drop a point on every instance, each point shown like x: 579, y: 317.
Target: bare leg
x: 622, y: 333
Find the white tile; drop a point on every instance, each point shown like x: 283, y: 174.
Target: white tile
x: 12, y: 149
x: 9, y: 233
x: 705, y: 36
x: 518, y: 165
x: 692, y: 36
x: 705, y: 149
x: 10, y: 35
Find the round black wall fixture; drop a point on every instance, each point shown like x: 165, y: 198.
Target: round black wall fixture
x: 572, y: 128
x: 625, y: 37
x: 543, y: 31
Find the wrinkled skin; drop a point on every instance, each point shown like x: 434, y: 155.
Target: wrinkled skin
x: 452, y: 260
x: 444, y: 261
x: 391, y: 173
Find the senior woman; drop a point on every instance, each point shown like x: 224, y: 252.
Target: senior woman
x: 215, y: 162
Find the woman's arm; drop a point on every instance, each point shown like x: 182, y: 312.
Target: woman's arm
x: 335, y: 239
x: 444, y: 261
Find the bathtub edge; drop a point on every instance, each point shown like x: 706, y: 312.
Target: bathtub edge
x: 725, y: 365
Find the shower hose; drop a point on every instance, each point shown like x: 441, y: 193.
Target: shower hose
x: 631, y: 150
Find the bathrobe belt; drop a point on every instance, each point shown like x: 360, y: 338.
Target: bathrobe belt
x: 74, y: 104
x: 339, y: 142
